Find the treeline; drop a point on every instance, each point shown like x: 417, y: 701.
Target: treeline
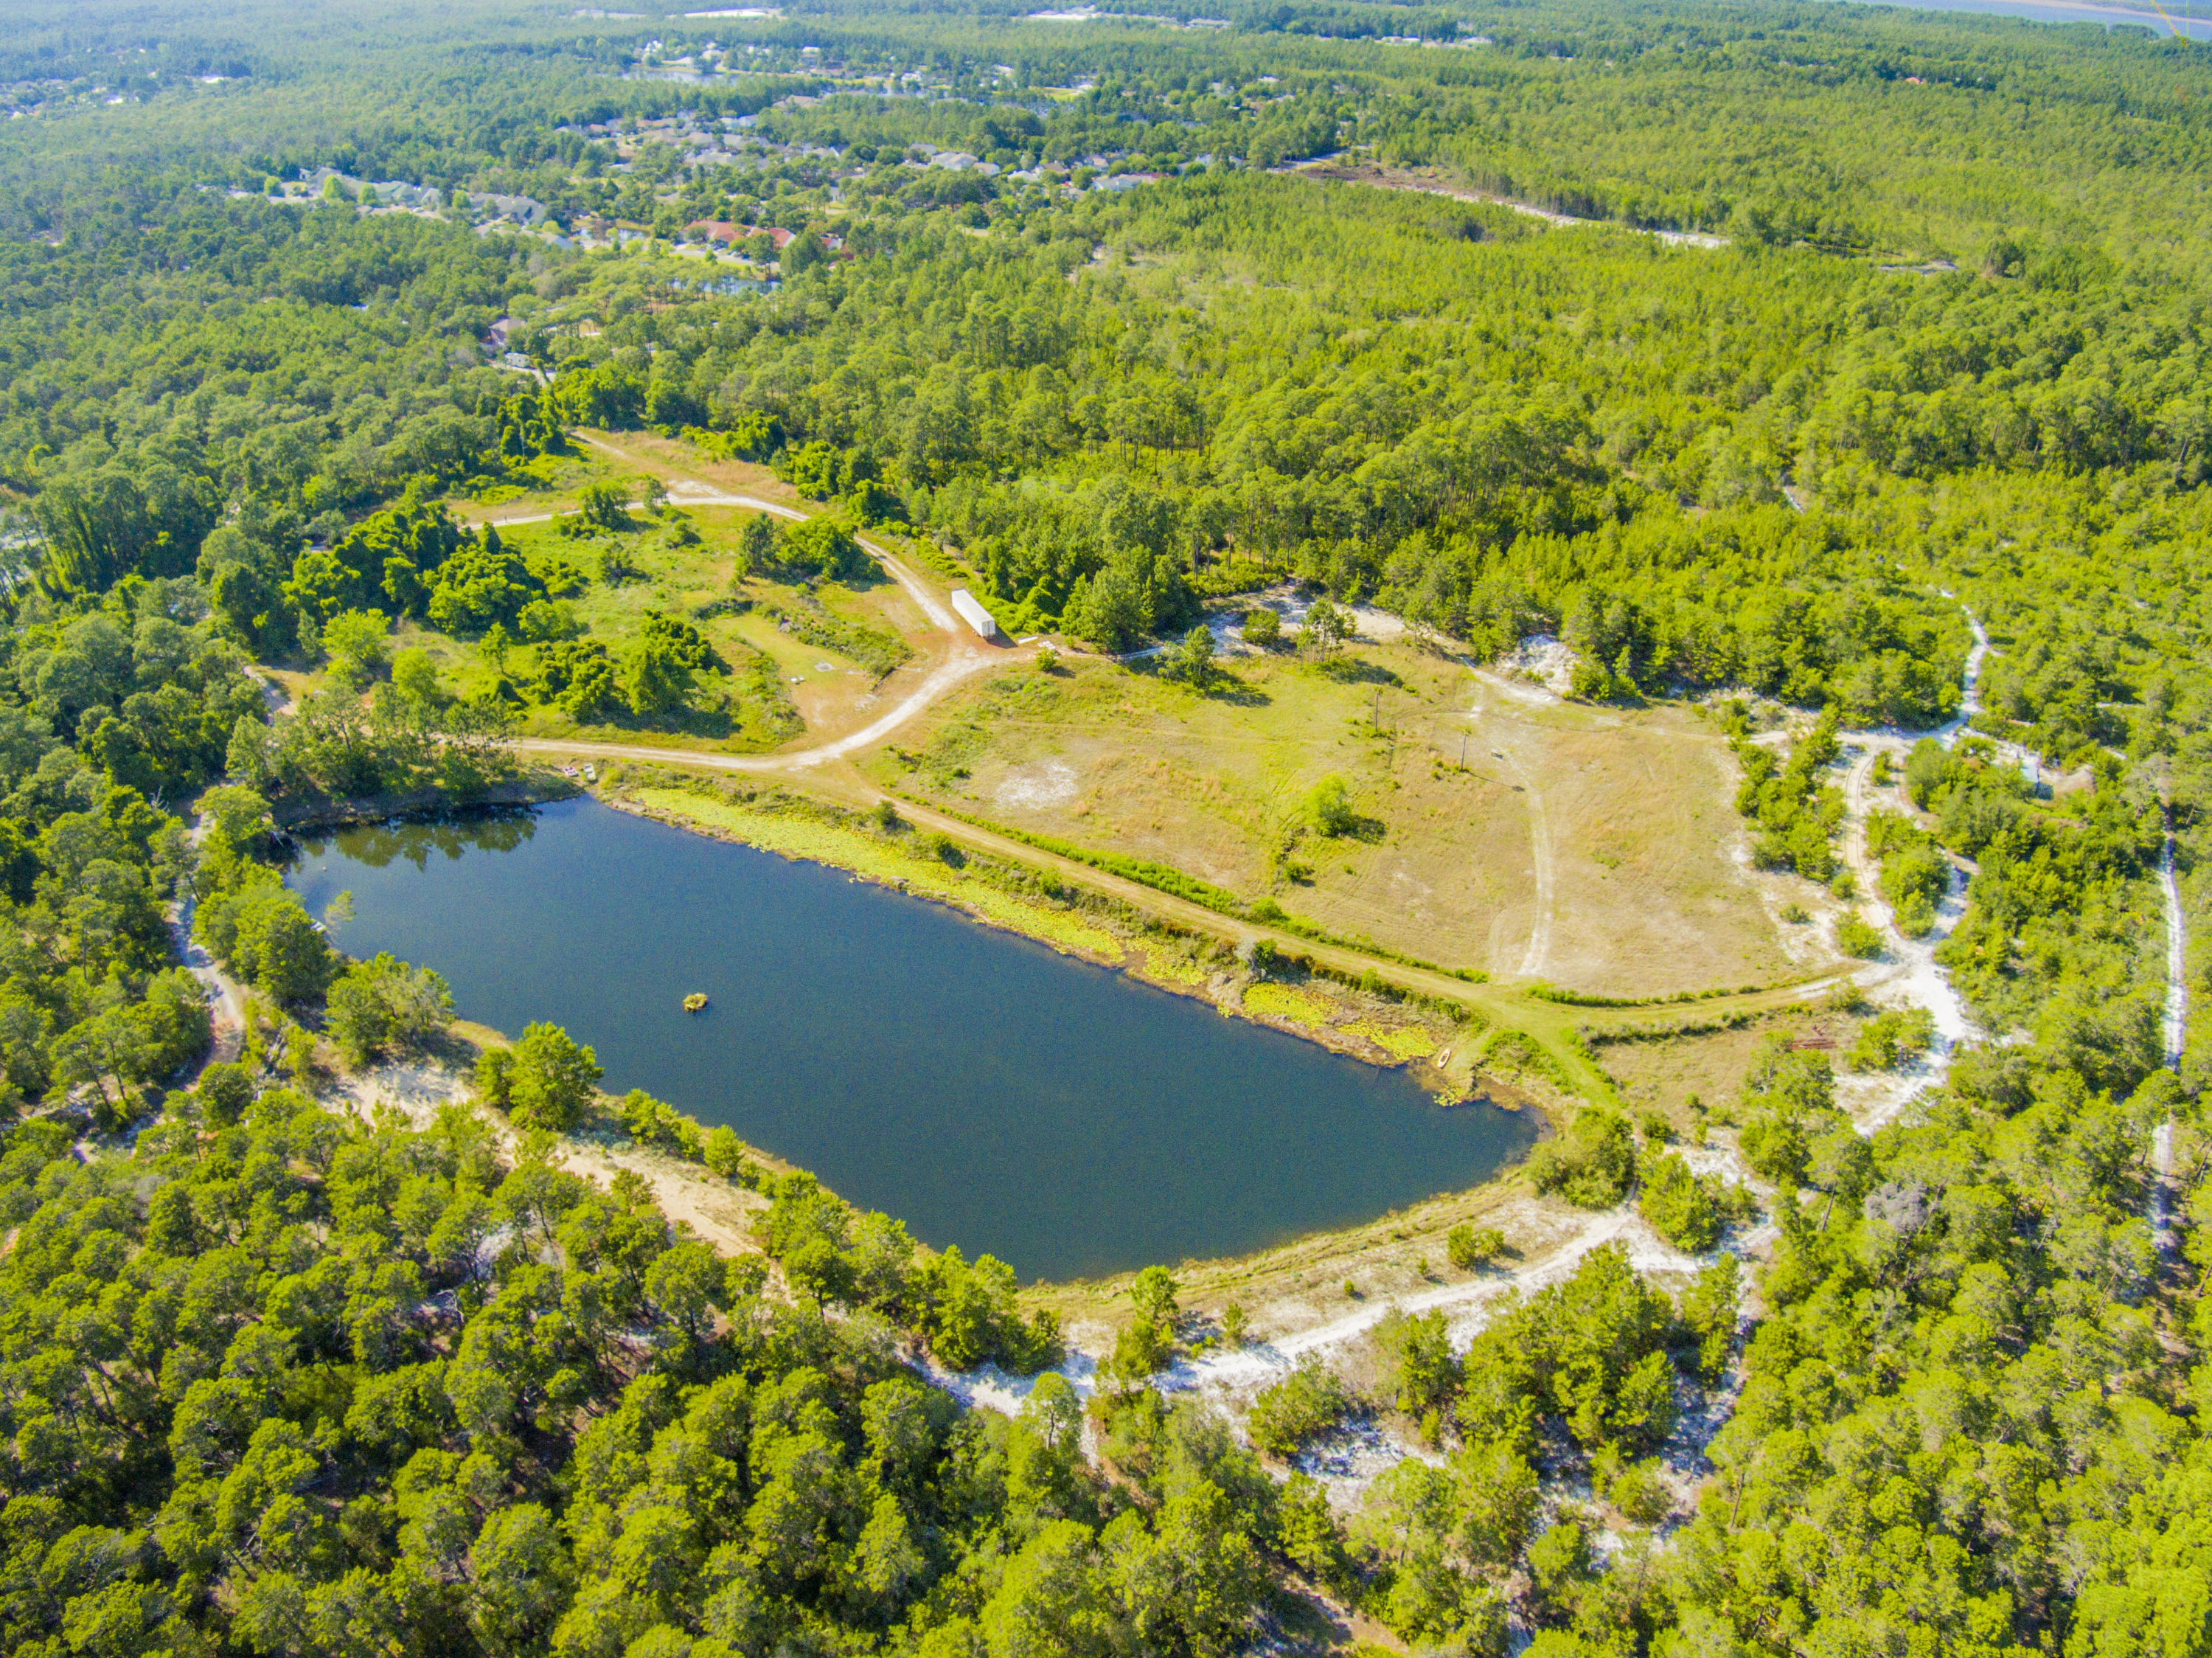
x: 303, y: 1384
x: 1149, y: 456
x: 1148, y: 467
x: 229, y: 350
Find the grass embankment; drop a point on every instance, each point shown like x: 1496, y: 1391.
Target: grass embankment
x: 1534, y: 1045
x: 894, y: 862
x: 1166, y: 878
x: 1479, y: 819
x: 1376, y: 1022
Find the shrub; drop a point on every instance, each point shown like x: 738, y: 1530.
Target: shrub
x: 618, y: 564
x: 1326, y: 627
x: 415, y: 676
x: 971, y: 1316
x: 1916, y: 914
x: 552, y: 1080
x: 1916, y: 869
x: 724, y: 1153
x: 1789, y: 1098
x: 261, y: 933
x: 1898, y: 1034
x: 225, y: 1091
x: 1855, y: 937
x: 1262, y: 627
x: 821, y: 546
x: 1420, y: 1369
x: 359, y: 643
x: 382, y: 1001
x: 1679, y: 1206
x: 1640, y: 1492
x: 1142, y: 1350
x: 655, y: 1122
x: 494, y: 1073
x: 604, y: 505
x: 1329, y: 807
x: 547, y: 618
x: 1298, y: 1409
x: 1591, y: 1164
x: 1467, y: 1246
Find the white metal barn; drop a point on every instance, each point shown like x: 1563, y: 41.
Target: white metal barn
x: 973, y: 614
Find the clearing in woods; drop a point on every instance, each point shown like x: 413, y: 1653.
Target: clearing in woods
x: 1596, y: 847
x: 809, y: 662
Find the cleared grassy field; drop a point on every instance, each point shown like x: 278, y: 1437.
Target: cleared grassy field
x: 1491, y: 826
x: 782, y: 687
x: 1590, y: 847
x: 1664, y: 1076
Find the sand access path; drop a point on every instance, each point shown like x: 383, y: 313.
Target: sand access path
x: 959, y: 655
x: 1233, y: 1378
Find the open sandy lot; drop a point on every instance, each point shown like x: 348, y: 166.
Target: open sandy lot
x: 1497, y: 827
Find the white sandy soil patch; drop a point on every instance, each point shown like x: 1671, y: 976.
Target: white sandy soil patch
x: 713, y: 1208
x: 1226, y: 623
x: 414, y: 1088
x: 1539, y: 664
x: 1554, y: 1240
x: 1041, y: 786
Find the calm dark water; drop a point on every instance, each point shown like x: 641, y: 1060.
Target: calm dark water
x: 990, y: 1092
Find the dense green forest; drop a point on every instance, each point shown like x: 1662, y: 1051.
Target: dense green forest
x: 275, y: 1380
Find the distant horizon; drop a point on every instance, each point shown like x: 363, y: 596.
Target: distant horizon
x: 2066, y: 11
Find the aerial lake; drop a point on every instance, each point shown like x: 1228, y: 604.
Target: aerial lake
x: 991, y: 1091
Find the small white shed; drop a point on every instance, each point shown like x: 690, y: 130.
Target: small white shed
x: 973, y: 614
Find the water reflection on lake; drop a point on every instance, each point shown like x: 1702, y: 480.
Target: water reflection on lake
x: 994, y: 1094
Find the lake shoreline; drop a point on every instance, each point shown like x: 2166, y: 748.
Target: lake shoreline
x: 1223, y: 990
x: 898, y: 1052
x: 532, y: 788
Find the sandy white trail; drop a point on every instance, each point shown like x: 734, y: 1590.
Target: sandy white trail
x: 968, y: 657
x: 1235, y: 1375
x: 2176, y: 1033
x: 226, y: 1006
x: 939, y: 681
x: 1466, y: 1305
x: 1916, y: 974
x: 1913, y: 972
x: 2177, y: 989
x: 1970, y: 692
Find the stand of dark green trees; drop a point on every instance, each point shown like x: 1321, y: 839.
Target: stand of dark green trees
x: 275, y: 1380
